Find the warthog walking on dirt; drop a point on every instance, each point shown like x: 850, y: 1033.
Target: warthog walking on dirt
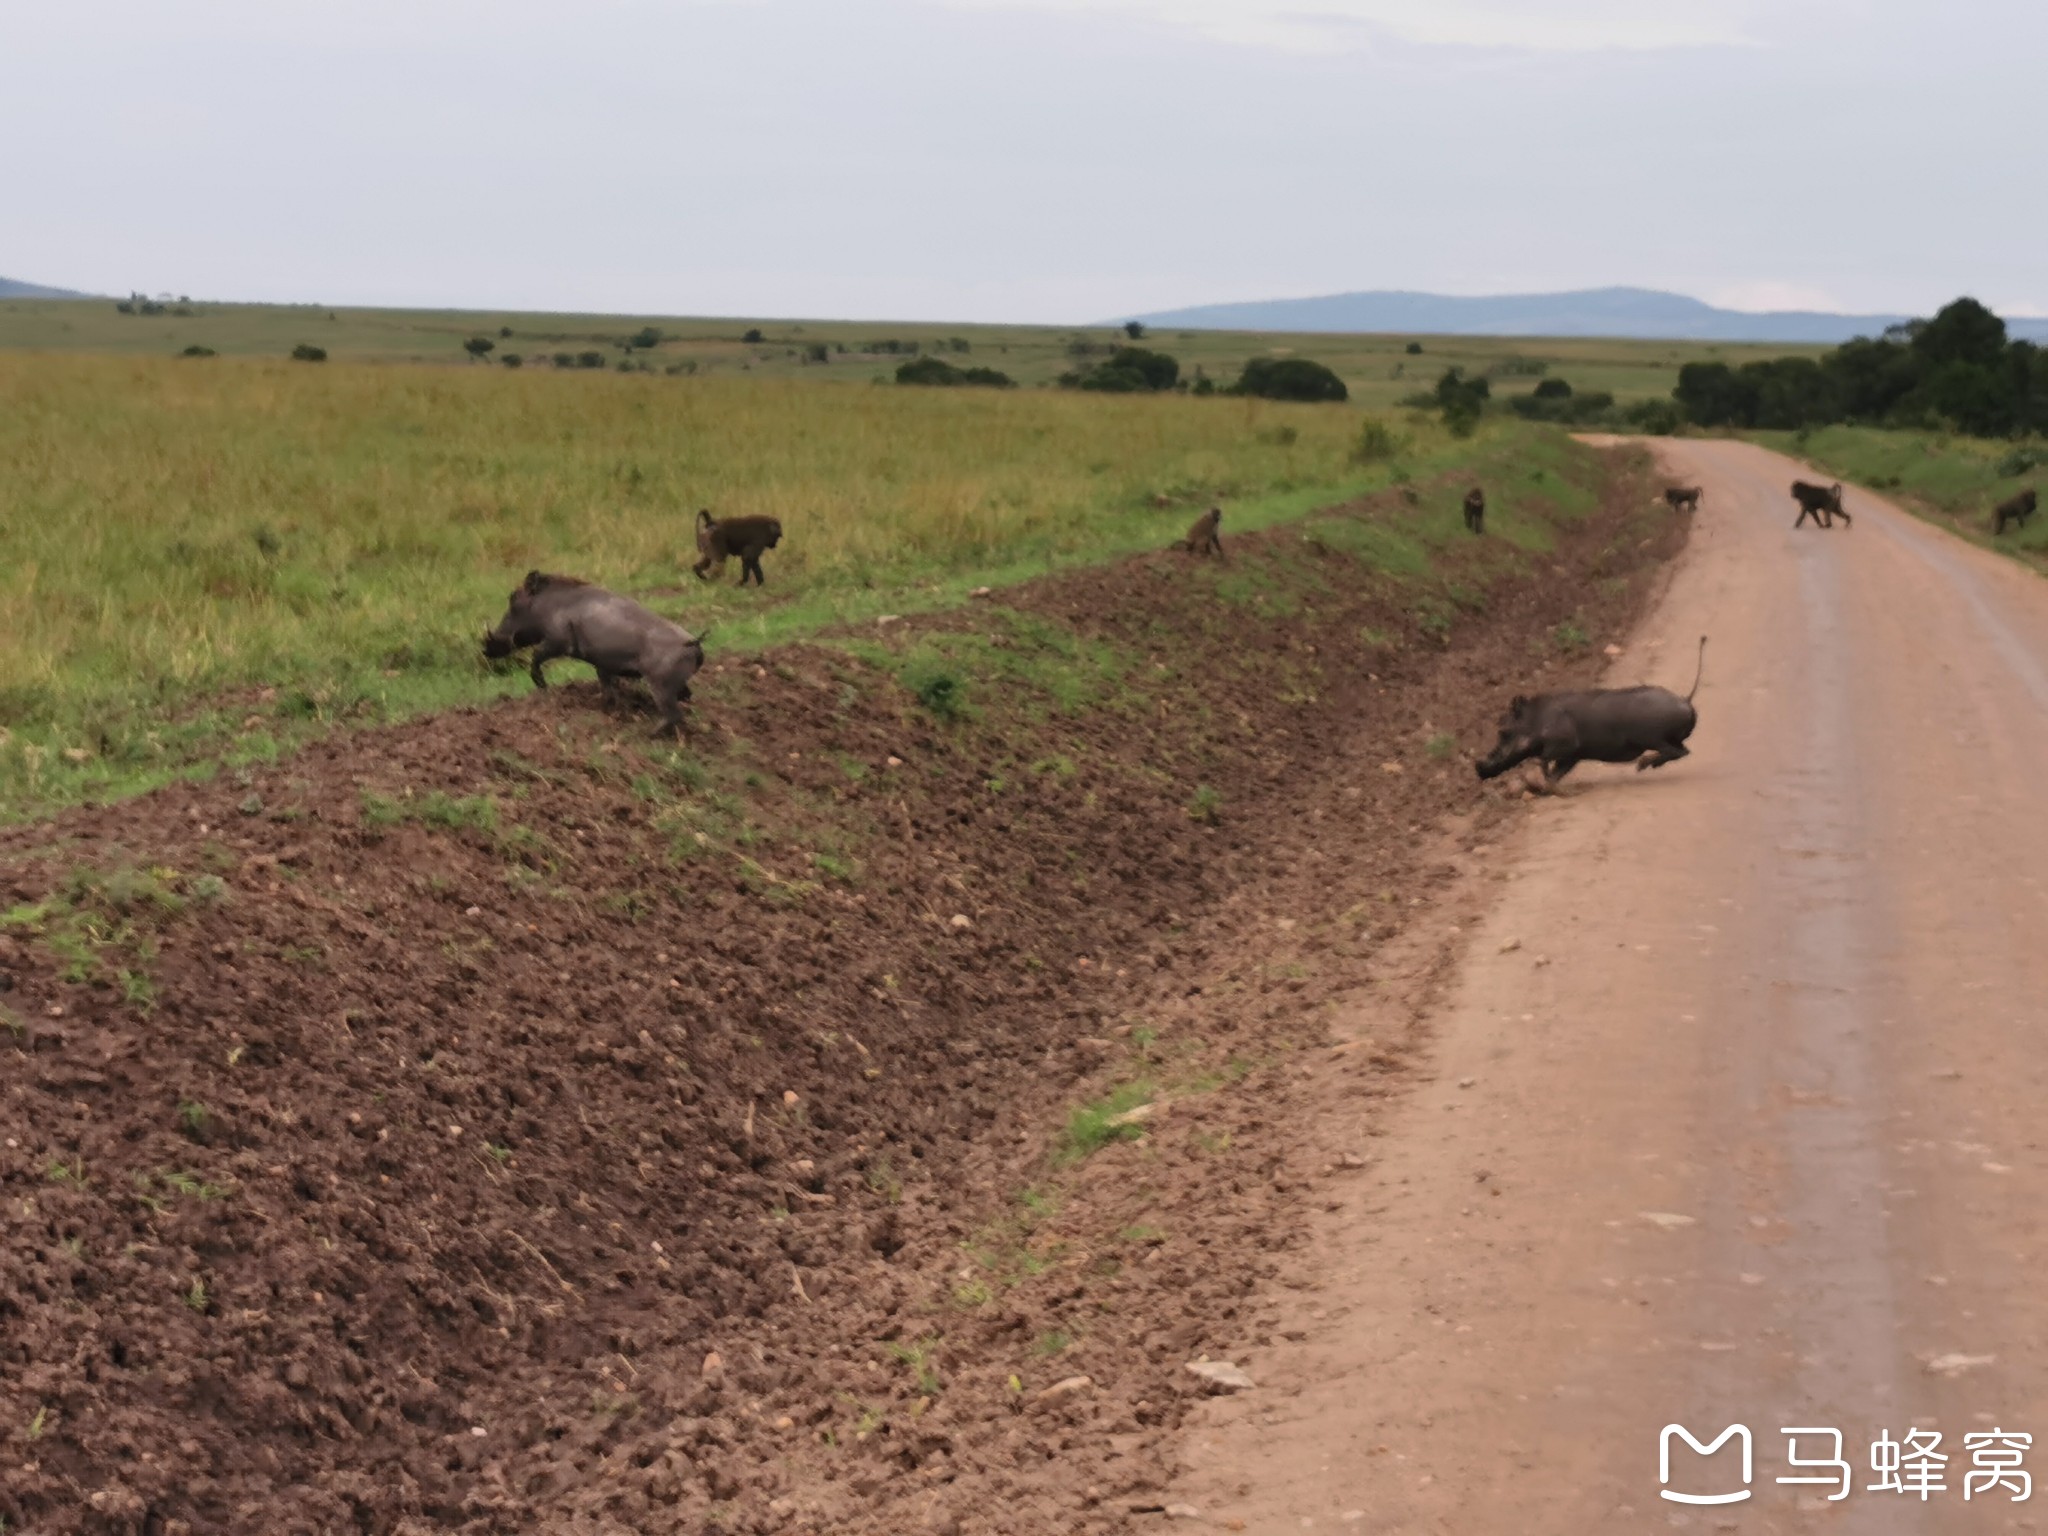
x: 1682, y: 498
x: 2014, y: 509
x: 1475, y: 510
x: 1647, y: 726
x: 1822, y: 503
x: 561, y: 616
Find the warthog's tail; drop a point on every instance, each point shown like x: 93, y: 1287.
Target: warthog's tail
x: 1698, y: 670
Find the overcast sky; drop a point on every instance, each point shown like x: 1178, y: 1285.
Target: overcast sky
x: 1025, y: 160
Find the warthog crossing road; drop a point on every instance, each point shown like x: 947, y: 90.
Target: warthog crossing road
x: 1647, y: 726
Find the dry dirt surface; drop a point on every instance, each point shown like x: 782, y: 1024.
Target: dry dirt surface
x: 1734, y: 1104
x: 506, y: 1123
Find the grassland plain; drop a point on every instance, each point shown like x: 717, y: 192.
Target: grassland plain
x: 1948, y: 478
x: 507, y: 1121
x: 205, y: 563
x: 1379, y: 369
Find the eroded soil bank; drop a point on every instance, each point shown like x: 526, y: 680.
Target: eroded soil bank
x: 510, y: 1122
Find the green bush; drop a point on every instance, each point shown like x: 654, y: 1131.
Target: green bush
x: 1553, y: 389
x: 478, y: 347
x: 646, y: 337
x: 1290, y: 378
x: 1127, y: 370
x: 1375, y: 443
x: 937, y: 371
x: 306, y: 353
x: 195, y: 350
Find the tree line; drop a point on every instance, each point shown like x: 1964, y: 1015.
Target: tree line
x: 1958, y: 370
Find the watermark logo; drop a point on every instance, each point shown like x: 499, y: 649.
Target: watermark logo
x: 1733, y: 1431
x: 1913, y: 1467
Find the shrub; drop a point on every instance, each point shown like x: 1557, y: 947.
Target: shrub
x: 1375, y: 443
x: 125, y: 307
x: 960, y: 344
x: 1659, y: 418
x: 195, y: 350
x: 1553, y: 389
x: 478, y: 347
x: 646, y: 337
x: 1290, y: 378
x: 504, y: 333
x: 2019, y: 461
x: 752, y: 335
x: 1135, y: 329
x: 1414, y: 349
x: 817, y: 352
x: 1127, y: 370
x: 512, y: 360
x: 937, y: 371
x: 589, y: 359
x: 306, y: 353
x: 1462, y: 400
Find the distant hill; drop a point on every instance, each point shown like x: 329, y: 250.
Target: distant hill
x: 10, y: 289
x: 1639, y: 313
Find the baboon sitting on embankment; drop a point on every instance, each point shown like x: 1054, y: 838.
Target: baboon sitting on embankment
x: 1203, y: 539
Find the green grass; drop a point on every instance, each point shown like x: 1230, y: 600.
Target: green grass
x: 1378, y: 369
x: 1092, y: 1126
x: 1955, y: 480
x: 208, y: 565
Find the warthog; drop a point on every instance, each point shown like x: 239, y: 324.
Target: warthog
x: 1822, y: 503
x: 2015, y: 509
x: 1475, y: 510
x: 1682, y: 498
x: 561, y: 616
x: 1646, y: 725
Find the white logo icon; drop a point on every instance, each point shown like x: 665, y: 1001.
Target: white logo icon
x: 1664, y: 1463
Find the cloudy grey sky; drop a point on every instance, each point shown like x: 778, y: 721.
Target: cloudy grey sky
x: 1041, y: 160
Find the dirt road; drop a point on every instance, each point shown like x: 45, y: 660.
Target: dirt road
x: 1736, y: 1114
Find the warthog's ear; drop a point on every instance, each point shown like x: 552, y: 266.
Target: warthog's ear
x: 1518, y: 703
x: 533, y: 583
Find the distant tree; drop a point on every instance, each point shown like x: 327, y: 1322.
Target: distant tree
x: 125, y: 306
x: 1414, y: 349
x: 1553, y: 389
x: 960, y: 344
x: 937, y: 371
x: 818, y: 352
x: 504, y: 332
x: 1127, y: 370
x: 590, y: 359
x: 306, y: 353
x: 511, y: 359
x: 151, y: 307
x: 564, y: 360
x: 647, y: 336
x: 1135, y: 329
x: 195, y: 350
x: 1290, y: 378
x: 478, y: 347
x: 753, y: 335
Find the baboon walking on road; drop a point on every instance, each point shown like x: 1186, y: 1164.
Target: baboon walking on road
x: 1822, y: 503
x: 1683, y: 498
x: 2014, y: 509
x: 1475, y: 510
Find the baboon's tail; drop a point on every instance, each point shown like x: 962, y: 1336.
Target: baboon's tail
x: 1699, y: 670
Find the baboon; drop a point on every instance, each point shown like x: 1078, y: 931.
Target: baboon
x: 1683, y: 498
x: 1475, y: 510
x: 742, y: 536
x: 1203, y: 538
x: 2015, y: 509
x: 1822, y: 503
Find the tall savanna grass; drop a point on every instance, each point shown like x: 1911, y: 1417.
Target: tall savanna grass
x: 175, y: 532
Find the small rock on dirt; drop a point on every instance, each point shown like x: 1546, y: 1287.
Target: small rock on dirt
x: 713, y: 1366
x: 1509, y: 946
x: 961, y: 920
x: 1222, y: 1375
x: 1955, y: 1364
x: 1139, y: 1115
x: 981, y: 592
x: 1060, y: 1391
x: 1668, y: 1220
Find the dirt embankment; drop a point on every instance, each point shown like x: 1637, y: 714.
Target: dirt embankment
x: 507, y: 1122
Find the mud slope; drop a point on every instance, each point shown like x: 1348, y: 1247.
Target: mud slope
x: 509, y: 1122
